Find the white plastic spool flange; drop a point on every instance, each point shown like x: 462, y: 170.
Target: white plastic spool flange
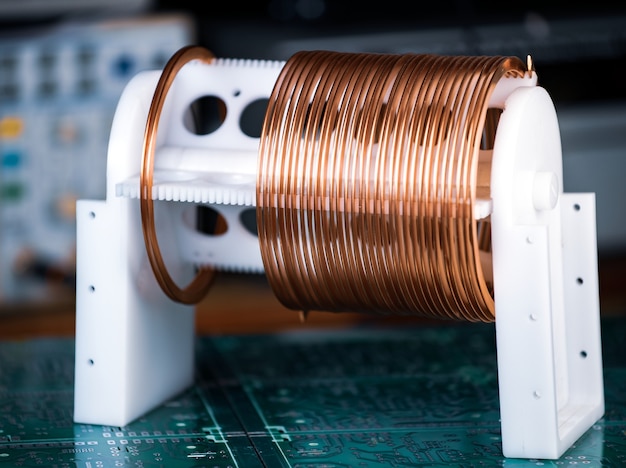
x: 546, y: 287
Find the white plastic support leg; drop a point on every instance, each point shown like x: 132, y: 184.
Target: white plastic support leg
x: 134, y: 347
x: 546, y: 287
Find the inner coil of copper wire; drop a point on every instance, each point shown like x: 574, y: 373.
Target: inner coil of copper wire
x: 369, y: 168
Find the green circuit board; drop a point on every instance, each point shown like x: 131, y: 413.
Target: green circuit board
x: 387, y: 397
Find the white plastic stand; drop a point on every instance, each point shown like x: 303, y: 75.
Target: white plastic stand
x: 134, y: 347
x: 546, y: 286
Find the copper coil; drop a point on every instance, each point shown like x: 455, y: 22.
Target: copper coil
x: 369, y: 168
x: 198, y: 287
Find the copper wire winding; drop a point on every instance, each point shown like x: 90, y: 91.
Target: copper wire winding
x: 369, y: 167
x: 201, y: 283
x: 368, y: 174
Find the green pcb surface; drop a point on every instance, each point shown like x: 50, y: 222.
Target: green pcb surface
x: 387, y: 397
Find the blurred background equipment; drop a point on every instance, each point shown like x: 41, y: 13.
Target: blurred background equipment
x: 59, y: 85
x: 31, y: 10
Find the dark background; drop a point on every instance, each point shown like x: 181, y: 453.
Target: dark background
x: 253, y: 30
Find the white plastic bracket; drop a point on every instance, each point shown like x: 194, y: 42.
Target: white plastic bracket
x: 134, y: 346
x: 546, y: 287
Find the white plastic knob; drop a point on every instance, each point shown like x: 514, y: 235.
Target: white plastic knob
x: 545, y: 191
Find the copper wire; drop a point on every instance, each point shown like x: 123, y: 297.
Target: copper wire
x: 201, y: 283
x: 369, y: 169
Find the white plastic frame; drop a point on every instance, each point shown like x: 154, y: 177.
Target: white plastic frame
x: 134, y: 347
x: 546, y: 286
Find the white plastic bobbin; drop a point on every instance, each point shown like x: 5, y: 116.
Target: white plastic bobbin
x: 216, y: 169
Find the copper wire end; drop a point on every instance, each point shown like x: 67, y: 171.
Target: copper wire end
x: 530, y: 66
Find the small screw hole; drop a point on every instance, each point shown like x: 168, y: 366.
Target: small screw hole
x: 92, y: 214
x: 576, y: 207
x: 90, y: 362
x: 583, y: 354
x: 236, y: 93
x: 579, y: 280
x: 92, y: 288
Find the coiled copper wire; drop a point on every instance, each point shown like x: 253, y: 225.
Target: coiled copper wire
x: 367, y: 179
x: 198, y: 287
x: 368, y: 174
